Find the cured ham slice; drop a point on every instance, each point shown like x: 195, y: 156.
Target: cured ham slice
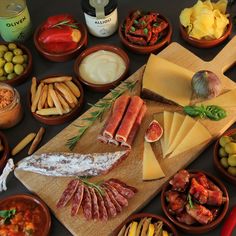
x: 129, y: 119
x: 116, y: 116
x: 103, y: 215
x: 95, y: 208
x: 135, y: 127
x: 68, y: 193
x: 87, y: 204
x: 77, y: 200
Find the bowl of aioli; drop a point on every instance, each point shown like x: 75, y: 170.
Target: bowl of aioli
x: 101, y: 67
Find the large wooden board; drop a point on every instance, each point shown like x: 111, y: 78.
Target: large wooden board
x: 129, y: 171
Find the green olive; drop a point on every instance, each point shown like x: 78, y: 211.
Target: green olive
x: 2, y: 78
x: 232, y: 170
x: 222, y: 152
x: 25, y: 58
x: 11, y: 76
x: 3, y: 48
x: 19, y: 59
x: 8, y: 67
x: 18, y: 69
x: 17, y: 51
x: 224, y: 162
x: 232, y: 160
x: 12, y: 46
x: 2, y: 54
x: 230, y: 147
x: 25, y: 65
x: 1, y: 72
x: 224, y: 139
x: 8, y: 56
x: 2, y: 62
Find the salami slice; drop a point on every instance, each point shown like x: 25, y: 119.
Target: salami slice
x: 113, y: 200
x: 77, y: 200
x: 124, y: 184
x: 111, y: 209
x: 103, y: 215
x: 68, y: 193
x: 87, y: 204
x: 95, y: 208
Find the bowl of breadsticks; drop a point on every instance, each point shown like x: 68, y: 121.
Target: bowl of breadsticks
x: 55, y: 99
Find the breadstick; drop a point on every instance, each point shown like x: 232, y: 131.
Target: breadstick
x: 62, y: 101
x: 23, y: 143
x: 43, y: 97
x: 36, y: 98
x: 55, y: 100
x: 36, y: 140
x: 57, y: 79
x: 51, y: 111
x: 49, y: 98
x: 74, y: 89
x: 33, y: 88
x: 64, y: 91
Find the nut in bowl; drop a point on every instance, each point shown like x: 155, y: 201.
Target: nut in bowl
x: 60, y: 38
x: 102, y: 67
x: 145, y: 32
x: 195, y: 201
x: 15, y: 63
x: 4, y: 151
x: 225, y: 155
x: 55, y: 99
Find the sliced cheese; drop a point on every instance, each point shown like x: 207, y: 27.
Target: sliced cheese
x: 133, y: 228
x: 151, y: 230
x: 187, y: 125
x: 168, y: 118
x: 225, y: 100
x: 197, y: 135
x: 168, y: 80
x: 151, y: 167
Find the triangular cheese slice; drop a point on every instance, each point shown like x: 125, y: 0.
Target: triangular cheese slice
x: 187, y: 125
x: 151, y: 167
x: 168, y: 118
x: 197, y: 135
x: 167, y: 80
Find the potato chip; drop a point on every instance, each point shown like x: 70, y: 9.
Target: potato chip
x: 221, y: 5
x: 185, y: 17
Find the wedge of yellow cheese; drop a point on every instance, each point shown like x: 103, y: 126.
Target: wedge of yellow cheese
x: 151, y: 167
x: 133, y: 228
x: 168, y: 118
x: 197, y: 135
x: 167, y: 80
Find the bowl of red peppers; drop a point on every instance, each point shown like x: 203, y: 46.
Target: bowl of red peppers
x: 60, y: 38
x: 145, y: 32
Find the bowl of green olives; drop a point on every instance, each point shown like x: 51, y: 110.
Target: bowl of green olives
x: 15, y: 63
x: 225, y: 155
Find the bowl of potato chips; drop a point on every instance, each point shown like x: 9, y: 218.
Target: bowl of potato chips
x: 205, y: 24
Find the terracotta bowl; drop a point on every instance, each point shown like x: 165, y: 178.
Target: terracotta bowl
x: 31, y: 198
x: 61, y: 57
x: 137, y: 217
x: 147, y: 49
x: 5, y: 153
x: 21, y: 78
x: 204, y: 43
x: 197, y: 229
x: 101, y: 87
x: 216, y: 160
x: 60, y: 119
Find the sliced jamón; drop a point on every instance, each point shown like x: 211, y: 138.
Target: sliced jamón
x: 87, y: 204
x: 77, y: 199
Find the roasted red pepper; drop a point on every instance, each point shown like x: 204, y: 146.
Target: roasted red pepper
x: 229, y: 224
x: 59, y: 47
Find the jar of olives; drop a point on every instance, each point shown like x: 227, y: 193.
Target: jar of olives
x: 11, y: 111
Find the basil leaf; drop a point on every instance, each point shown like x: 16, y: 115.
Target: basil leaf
x: 145, y: 31
x: 7, y: 214
x: 191, y: 111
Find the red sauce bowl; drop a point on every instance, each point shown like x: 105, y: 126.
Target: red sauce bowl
x: 5, y: 153
x: 197, y: 229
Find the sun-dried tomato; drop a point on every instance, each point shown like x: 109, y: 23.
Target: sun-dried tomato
x: 137, y: 40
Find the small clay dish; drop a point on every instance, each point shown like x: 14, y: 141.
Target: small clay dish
x: 204, y: 43
x: 19, y: 79
x: 104, y: 87
x: 197, y: 228
x: 216, y: 158
x: 138, y: 217
x: 65, y: 56
x: 5, y: 153
x: 60, y: 119
x: 164, y: 40
x: 33, y: 205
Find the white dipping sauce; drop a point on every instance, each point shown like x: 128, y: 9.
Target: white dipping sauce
x: 102, y: 67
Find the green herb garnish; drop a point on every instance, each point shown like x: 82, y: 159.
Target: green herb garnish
x: 132, y: 29
x: 189, y: 198
x: 155, y: 24
x: 145, y: 31
x: 143, y: 22
x: 7, y: 214
x: 211, y: 112
x: 136, y: 22
x: 102, y: 106
x: 65, y: 22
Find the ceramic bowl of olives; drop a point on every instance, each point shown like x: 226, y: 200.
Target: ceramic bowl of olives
x: 15, y: 63
x: 225, y: 155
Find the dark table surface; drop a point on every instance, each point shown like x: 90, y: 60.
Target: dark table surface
x: 39, y: 11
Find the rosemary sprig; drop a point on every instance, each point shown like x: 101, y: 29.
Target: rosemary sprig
x: 102, y: 106
x: 190, y: 201
x: 65, y: 22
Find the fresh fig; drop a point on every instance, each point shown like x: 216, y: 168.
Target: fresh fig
x: 153, y: 132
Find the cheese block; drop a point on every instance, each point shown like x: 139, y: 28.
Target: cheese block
x: 226, y: 100
x: 151, y: 167
x: 187, y: 125
x: 197, y: 135
x: 163, y: 79
x: 168, y: 118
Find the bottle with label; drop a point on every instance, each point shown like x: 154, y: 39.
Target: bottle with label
x: 14, y: 20
x: 100, y: 16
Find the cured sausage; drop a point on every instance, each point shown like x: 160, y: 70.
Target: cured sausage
x: 124, y: 185
x: 103, y: 215
x: 111, y: 209
x: 87, y: 204
x: 113, y: 200
x: 95, y: 208
x: 77, y: 199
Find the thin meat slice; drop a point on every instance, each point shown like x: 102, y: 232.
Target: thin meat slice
x: 111, y: 209
x: 124, y: 184
x: 102, y: 139
x: 68, y: 193
x: 113, y: 200
x: 103, y: 215
x: 95, y: 208
x: 87, y: 204
x: 135, y: 128
x: 128, y: 121
x: 116, y: 116
x: 77, y: 200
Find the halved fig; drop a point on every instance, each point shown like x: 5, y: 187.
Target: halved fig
x: 153, y: 132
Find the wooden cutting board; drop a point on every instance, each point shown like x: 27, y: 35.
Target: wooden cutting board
x: 130, y: 170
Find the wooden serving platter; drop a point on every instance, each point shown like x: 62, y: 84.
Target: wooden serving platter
x: 130, y: 170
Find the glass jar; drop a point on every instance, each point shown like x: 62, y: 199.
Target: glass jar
x: 11, y: 111
x: 100, y: 16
